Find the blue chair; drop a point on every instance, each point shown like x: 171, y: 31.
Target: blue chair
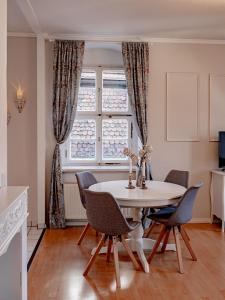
x: 176, y: 177
x: 175, y: 222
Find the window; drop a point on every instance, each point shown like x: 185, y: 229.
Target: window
x: 103, y: 123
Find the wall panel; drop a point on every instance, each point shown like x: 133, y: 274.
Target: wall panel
x: 182, y: 106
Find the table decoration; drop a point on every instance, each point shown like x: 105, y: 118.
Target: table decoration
x: 140, y: 161
x: 132, y: 159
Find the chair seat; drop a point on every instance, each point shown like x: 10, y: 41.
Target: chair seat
x: 160, y: 219
x: 165, y: 211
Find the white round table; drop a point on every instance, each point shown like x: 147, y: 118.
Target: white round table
x: 157, y: 194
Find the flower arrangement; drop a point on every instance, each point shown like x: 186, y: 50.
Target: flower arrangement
x: 144, y: 155
x: 140, y: 161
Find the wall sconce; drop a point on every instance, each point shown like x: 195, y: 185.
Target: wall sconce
x: 8, y: 117
x: 20, y: 99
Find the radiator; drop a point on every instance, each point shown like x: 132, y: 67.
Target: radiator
x: 74, y: 210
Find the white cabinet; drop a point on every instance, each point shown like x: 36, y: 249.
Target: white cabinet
x: 218, y: 195
x: 13, y: 243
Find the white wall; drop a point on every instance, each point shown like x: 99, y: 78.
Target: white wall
x: 197, y: 157
x: 3, y: 92
x: 22, y: 129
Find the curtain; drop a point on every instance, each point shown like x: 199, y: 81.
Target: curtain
x: 67, y: 67
x: 136, y: 65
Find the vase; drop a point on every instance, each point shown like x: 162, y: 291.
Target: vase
x: 138, y: 176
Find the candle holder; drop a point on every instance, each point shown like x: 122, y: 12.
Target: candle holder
x: 143, y: 184
x: 130, y: 184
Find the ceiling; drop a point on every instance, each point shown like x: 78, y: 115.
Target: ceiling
x: 192, y: 19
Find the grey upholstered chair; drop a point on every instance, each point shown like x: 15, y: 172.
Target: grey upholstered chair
x: 175, y: 221
x: 176, y: 177
x: 105, y: 216
x: 84, y: 181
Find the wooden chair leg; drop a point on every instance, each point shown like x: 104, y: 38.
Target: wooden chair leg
x: 156, y: 245
x: 186, y: 241
x: 178, y: 248
x: 109, y: 249
x: 165, y: 241
x: 83, y: 233
x: 130, y: 253
x: 116, y: 262
x: 92, y: 259
x: 150, y: 229
x: 185, y: 232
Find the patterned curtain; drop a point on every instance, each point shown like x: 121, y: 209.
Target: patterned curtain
x: 67, y: 67
x: 136, y: 64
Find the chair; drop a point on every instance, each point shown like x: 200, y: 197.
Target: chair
x: 175, y: 221
x: 84, y: 180
x: 105, y: 216
x: 176, y: 177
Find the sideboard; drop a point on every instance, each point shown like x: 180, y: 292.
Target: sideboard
x: 13, y: 243
x: 218, y: 196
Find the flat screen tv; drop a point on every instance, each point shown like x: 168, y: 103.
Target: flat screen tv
x: 221, y: 149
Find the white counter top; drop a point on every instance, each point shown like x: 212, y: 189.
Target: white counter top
x: 218, y: 171
x: 9, y: 194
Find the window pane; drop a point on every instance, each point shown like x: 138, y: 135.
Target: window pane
x: 114, y: 91
x: 114, y: 138
x: 83, y: 140
x: 87, y: 92
x: 83, y: 150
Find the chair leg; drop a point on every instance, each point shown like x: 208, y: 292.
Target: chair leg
x: 116, y: 262
x: 109, y: 249
x: 150, y: 229
x: 185, y: 232
x: 178, y: 248
x: 156, y: 245
x: 186, y: 241
x: 130, y: 253
x: 83, y: 233
x: 165, y: 241
x: 94, y: 256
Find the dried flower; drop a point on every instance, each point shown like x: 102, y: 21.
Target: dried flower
x: 144, y: 155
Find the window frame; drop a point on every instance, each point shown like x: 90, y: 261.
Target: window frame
x: 99, y: 115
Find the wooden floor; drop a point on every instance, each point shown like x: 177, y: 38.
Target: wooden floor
x: 56, y: 271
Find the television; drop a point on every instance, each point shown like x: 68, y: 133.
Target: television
x: 222, y: 149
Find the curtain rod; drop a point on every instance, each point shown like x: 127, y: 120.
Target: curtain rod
x: 94, y: 40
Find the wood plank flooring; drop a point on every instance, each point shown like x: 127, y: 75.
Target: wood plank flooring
x: 56, y: 271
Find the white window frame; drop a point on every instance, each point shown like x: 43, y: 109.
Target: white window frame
x: 98, y: 115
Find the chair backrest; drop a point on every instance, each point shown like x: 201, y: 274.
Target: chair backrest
x: 104, y: 214
x: 84, y: 180
x: 183, y: 213
x: 178, y: 177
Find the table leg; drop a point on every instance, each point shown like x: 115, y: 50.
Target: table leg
x: 136, y: 239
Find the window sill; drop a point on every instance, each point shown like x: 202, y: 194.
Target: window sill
x: 73, y: 169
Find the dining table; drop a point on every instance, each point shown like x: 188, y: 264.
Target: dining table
x: 157, y: 194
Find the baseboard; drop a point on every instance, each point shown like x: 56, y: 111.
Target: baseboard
x: 70, y: 222
x: 200, y: 220
x: 41, y: 226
